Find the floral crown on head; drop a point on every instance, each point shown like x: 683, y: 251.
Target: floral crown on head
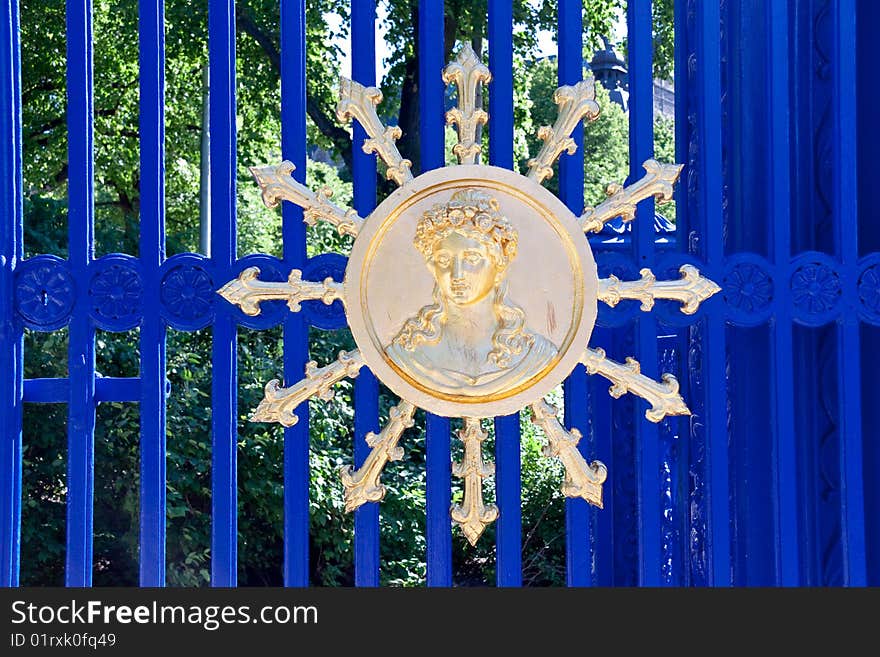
x: 474, y: 214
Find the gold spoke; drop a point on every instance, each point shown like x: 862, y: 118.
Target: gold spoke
x: 627, y: 377
x: 279, y: 403
x: 248, y: 291
x: 363, y: 485
x: 622, y: 201
x: 359, y: 102
x: 467, y: 72
x: 472, y: 515
x: 581, y: 480
x: 277, y: 185
x: 690, y: 290
x: 575, y: 103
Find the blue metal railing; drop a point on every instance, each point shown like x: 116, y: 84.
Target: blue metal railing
x: 296, y: 330
x: 748, y: 490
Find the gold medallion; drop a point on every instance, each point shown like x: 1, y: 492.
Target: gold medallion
x: 471, y: 292
x: 500, y: 292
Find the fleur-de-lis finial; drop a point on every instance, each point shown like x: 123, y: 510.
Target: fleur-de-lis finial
x: 359, y: 102
x: 472, y: 515
x: 575, y: 103
x: 690, y: 290
x: 467, y: 72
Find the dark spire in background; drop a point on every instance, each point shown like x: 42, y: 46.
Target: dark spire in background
x: 609, y: 68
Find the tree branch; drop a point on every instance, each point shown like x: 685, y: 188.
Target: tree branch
x: 323, y: 120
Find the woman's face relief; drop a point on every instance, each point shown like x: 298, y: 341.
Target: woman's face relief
x: 463, y: 268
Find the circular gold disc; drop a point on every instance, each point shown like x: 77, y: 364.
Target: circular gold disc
x: 471, y: 291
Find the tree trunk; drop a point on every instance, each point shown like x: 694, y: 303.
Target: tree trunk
x: 408, y: 119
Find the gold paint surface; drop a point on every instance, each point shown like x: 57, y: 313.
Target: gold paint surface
x: 359, y: 102
x: 363, y: 485
x: 627, y: 377
x: 247, y: 291
x: 473, y: 515
x: 279, y: 403
x: 471, y: 292
x: 548, y: 278
x: 467, y: 72
x: 575, y: 103
x: 690, y: 290
x: 622, y: 201
x: 277, y: 185
x: 581, y: 479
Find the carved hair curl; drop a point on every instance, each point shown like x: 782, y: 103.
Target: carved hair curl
x: 473, y: 214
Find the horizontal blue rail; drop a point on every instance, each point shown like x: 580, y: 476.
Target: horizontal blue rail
x: 107, y: 389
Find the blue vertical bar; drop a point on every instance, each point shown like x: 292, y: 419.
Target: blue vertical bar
x: 571, y: 191
x: 501, y: 87
x: 641, y: 148
x: 600, y: 421
x: 296, y: 331
x: 868, y: 97
x: 844, y: 190
x: 508, y: 475
x: 708, y: 118
x: 785, y: 440
x: 431, y: 132
x: 224, y: 494
x: 151, y: 43
x: 508, y: 536
x: 683, y: 503
x: 366, y: 387
x: 11, y: 343
x: 81, y: 353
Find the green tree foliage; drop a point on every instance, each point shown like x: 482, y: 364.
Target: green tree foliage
x: 260, y: 447
x: 606, y: 147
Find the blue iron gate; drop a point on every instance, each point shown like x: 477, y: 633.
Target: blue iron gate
x: 770, y: 481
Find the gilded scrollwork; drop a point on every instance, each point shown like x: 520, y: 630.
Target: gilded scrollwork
x: 467, y: 72
x: 469, y: 351
x: 363, y: 485
x: 690, y: 290
x: 279, y: 403
x: 622, y: 201
x: 473, y: 515
x: 277, y: 185
x: 581, y: 479
x: 359, y: 102
x: 247, y: 291
x: 575, y: 102
x: 627, y: 377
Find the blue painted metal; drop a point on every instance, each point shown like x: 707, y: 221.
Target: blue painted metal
x: 845, y: 203
x: 785, y: 456
x: 431, y: 133
x: 508, y: 534
x: 641, y: 148
x: 770, y: 480
x: 107, y: 389
x: 571, y: 191
x: 81, y: 352
x: 296, y: 331
x: 11, y: 251
x: 752, y: 460
x: 366, y: 387
x: 707, y: 93
x: 868, y: 144
x: 602, y: 441
x: 151, y: 42
x: 224, y: 379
